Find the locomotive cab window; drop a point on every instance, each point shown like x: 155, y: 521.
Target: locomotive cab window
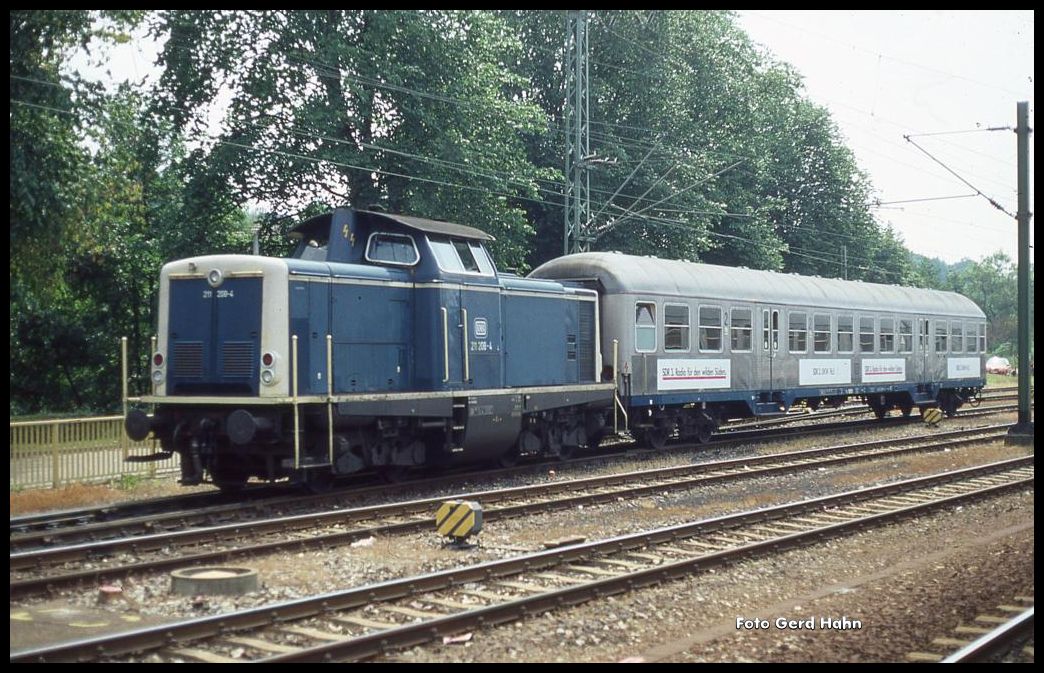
x: 742, y: 331
x: 675, y: 327
x: 311, y: 248
x: 460, y: 256
x: 645, y: 327
x: 396, y: 249
x: 710, y: 329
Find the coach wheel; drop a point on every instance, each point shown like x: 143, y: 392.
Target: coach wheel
x: 704, y: 431
x: 655, y: 438
x: 880, y: 410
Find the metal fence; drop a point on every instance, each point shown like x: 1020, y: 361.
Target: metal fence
x: 76, y: 450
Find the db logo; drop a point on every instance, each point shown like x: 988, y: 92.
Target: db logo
x: 481, y: 329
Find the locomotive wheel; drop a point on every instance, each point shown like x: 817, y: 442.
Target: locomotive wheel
x: 509, y: 459
x: 228, y: 480
x: 319, y: 481
x: 704, y: 432
x: 566, y: 451
x: 906, y: 409
x: 393, y: 474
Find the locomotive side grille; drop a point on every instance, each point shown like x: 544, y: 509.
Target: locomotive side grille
x: 586, y: 344
x: 237, y: 359
x: 188, y: 360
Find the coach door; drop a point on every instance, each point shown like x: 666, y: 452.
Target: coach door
x: 924, y: 348
x: 770, y: 364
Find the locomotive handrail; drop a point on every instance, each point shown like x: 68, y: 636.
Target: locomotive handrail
x: 297, y: 418
x: 329, y: 394
x: 464, y: 346
x: 445, y: 344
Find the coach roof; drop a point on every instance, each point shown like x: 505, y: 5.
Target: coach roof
x: 650, y: 276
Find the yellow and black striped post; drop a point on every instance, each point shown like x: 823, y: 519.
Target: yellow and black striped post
x: 932, y: 416
x: 459, y: 519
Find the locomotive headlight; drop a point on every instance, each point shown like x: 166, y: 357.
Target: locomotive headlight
x: 157, y: 376
x: 214, y: 277
x: 269, y: 368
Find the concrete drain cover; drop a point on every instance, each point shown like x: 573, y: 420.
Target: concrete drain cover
x: 213, y: 580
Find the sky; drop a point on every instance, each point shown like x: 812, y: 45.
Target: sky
x: 883, y: 75
x: 887, y: 74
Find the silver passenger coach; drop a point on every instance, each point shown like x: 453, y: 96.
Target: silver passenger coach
x: 699, y: 343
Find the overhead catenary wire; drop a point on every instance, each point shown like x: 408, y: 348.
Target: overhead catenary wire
x: 956, y: 175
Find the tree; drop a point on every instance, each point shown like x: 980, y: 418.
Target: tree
x: 413, y: 111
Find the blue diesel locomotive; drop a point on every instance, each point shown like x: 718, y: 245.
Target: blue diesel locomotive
x: 383, y: 343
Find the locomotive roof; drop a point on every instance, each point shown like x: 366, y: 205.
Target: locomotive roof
x: 627, y: 274
x: 322, y: 222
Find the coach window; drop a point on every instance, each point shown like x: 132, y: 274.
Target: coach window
x: 710, y: 329
x: 866, y: 335
x: 982, y: 337
x: 940, y: 336
x: 887, y: 335
x: 675, y: 327
x: 397, y: 249
x: 970, y: 342
x: 765, y: 330
x: 798, y: 332
x: 905, y: 335
x: 742, y: 331
x: 845, y: 334
x: 775, y: 331
x: 645, y: 327
x: 956, y: 337
x: 821, y: 333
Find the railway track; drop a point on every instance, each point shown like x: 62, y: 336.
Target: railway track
x: 997, y: 634
x: 39, y: 570
x: 210, y: 509
x: 380, y: 618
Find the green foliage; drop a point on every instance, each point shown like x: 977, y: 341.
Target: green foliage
x: 129, y: 482
x: 345, y: 107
